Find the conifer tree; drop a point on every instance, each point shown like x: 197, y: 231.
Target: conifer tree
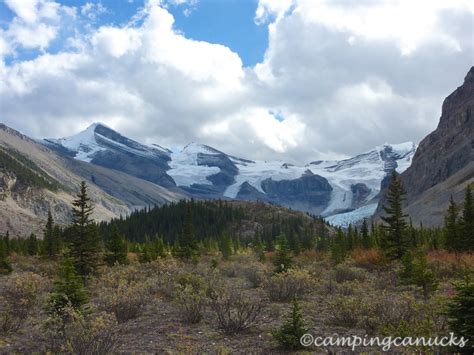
x: 283, y: 260
x: 460, y: 314
x: 68, y: 289
x: 84, y: 239
x: 50, y: 238
x: 467, y: 221
x: 187, y: 245
x: 225, y: 246
x: 5, y: 266
x: 364, y: 231
x: 32, y: 245
x: 338, y: 247
x: 396, y: 243
x: 116, y: 248
x: 453, y: 236
x: 290, y: 333
x: 158, y: 247
x: 259, y: 248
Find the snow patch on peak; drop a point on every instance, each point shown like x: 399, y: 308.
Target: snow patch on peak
x: 185, y: 170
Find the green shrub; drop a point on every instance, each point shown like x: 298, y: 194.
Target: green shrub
x: 190, y: 303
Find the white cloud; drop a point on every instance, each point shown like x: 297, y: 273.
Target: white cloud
x: 346, y: 76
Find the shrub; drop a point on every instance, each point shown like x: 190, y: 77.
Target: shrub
x: 343, y: 273
x: 79, y: 334
x: 125, y: 301
x: 255, y: 274
x: 288, y: 285
x: 236, y: 311
x: 190, y: 303
x: 290, y: 333
x: 19, y: 295
x: 367, y: 258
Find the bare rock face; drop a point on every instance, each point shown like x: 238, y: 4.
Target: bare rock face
x: 450, y: 147
x: 443, y: 164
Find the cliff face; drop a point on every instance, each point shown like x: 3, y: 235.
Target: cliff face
x: 443, y: 164
x: 450, y: 147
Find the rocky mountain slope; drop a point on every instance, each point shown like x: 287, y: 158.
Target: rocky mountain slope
x: 443, y: 165
x: 320, y: 187
x: 34, y: 179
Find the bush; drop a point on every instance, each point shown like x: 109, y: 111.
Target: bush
x: 125, y: 301
x: 343, y: 273
x: 288, y: 285
x: 19, y: 296
x: 79, y: 334
x: 368, y: 259
x: 190, y: 303
x: 255, y: 274
x: 236, y: 311
x: 387, y: 314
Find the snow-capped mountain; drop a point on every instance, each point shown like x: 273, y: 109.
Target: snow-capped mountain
x: 343, y: 191
x: 101, y: 145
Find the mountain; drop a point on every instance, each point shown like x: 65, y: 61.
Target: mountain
x: 102, y: 146
x: 200, y: 171
x: 443, y: 164
x: 35, y: 179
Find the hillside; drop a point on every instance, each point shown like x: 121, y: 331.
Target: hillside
x: 34, y: 179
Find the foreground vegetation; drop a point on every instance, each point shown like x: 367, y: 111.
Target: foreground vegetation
x: 92, y: 289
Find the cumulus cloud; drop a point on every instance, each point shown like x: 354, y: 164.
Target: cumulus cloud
x: 337, y: 78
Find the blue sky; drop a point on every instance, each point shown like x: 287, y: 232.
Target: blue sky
x: 227, y: 22
x: 312, y: 80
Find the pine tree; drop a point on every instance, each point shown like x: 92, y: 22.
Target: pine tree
x: 68, y: 289
x: 461, y: 315
x: 32, y: 245
x: 415, y: 271
x: 116, y: 248
x: 187, y: 247
x: 225, y: 246
x: 290, y: 333
x: 396, y: 243
x: 158, y: 249
x: 259, y: 248
x: 467, y: 221
x: 338, y: 247
x: 283, y: 260
x: 50, y: 238
x: 84, y: 240
x: 5, y: 266
x: 364, y: 231
x: 451, y: 227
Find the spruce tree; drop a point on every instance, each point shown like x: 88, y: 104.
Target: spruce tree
x: 68, y: 289
x: 396, y: 242
x: 225, y: 246
x: 364, y: 231
x: 453, y: 236
x: 187, y: 246
x: 84, y: 239
x: 50, y: 238
x: 422, y: 276
x: 283, y: 260
x: 32, y: 245
x: 5, y: 266
x: 290, y: 333
x: 467, y: 221
x: 461, y: 314
x: 116, y: 248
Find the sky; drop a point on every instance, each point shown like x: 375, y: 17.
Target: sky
x: 294, y: 80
